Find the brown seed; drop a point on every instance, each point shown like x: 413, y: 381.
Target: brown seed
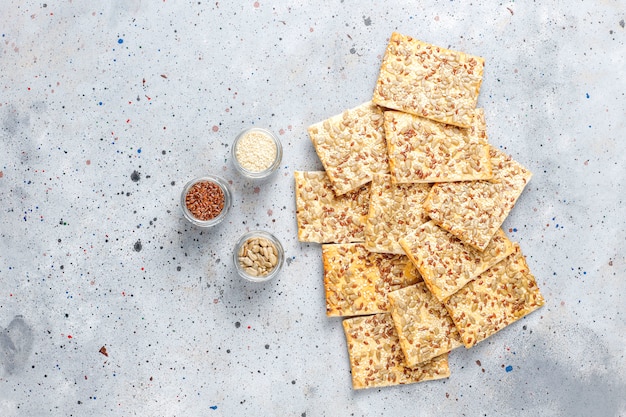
x: 205, y: 200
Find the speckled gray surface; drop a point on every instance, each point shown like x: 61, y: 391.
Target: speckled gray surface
x: 108, y: 108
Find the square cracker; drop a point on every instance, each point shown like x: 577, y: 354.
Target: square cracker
x: 394, y: 209
x: 424, y: 326
x: 357, y: 281
x: 422, y: 150
x: 429, y: 81
x: 351, y: 146
x: 325, y: 218
x: 376, y: 359
x: 498, y: 297
x: 473, y: 211
x: 447, y: 264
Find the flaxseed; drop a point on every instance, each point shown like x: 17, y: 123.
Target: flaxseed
x: 205, y: 200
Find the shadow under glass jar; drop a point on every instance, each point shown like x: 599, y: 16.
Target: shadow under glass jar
x: 258, y: 256
x: 205, y: 201
x: 256, y: 153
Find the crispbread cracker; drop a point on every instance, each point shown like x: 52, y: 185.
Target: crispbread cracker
x: 357, y: 282
x: 473, y: 211
x: 498, y: 297
x: 429, y: 81
x: 394, y: 209
x: 447, y: 264
x: 376, y: 359
x: 422, y: 150
x: 351, y: 146
x: 424, y: 326
x: 325, y: 218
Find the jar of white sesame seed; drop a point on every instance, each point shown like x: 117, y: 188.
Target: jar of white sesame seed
x: 256, y: 153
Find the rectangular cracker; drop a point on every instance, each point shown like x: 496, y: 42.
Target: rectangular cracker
x: 351, y: 146
x: 429, y: 81
x: 498, y: 297
x: 447, y: 264
x: 376, y: 359
x: 325, y: 218
x: 473, y: 211
x: 394, y: 209
x: 357, y: 281
x: 422, y: 150
x: 424, y: 326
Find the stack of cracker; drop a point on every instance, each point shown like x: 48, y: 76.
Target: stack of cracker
x: 409, y: 212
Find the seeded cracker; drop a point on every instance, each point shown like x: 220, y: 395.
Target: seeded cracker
x: 473, y: 211
x: 447, y: 264
x: 424, y: 327
x: 498, y: 297
x: 351, y: 146
x: 325, y: 218
x: 376, y: 359
x: 394, y: 209
x: 429, y: 81
x: 422, y: 150
x: 357, y: 282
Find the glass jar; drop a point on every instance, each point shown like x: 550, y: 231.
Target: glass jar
x: 206, y: 196
x: 250, y: 248
x: 256, y: 153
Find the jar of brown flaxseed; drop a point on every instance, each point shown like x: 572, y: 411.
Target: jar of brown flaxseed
x: 205, y: 201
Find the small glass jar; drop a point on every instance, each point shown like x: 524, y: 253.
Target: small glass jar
x: 253, y: 153
x: 246, y: 246
x: 227, y: 201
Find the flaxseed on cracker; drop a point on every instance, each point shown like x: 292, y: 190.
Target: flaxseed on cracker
x: 424, y: 326
x: 357, y: 281
x: 394, y: 209
x: 376, y: 359
x: 324, y: 217
x: 473, y: 211
x: 429, y: 81
x: 447, y: 264
x: 351, y: 146
x: 498, y: 297
x: 423, y: 150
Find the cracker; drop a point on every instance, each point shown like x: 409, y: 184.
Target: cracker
x: 424, y: 326
x: 394, y: 209
x: 357, y: 281
x: 498, y: 297
x: 447, y: 264
x: 351, y: 146
x: 429, y: 81
x: 325, y: 218
x: 473, y: 211
x: 422, y: 150
x: 376, y: 359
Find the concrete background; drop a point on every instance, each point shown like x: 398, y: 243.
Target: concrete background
x: 108, y: 108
